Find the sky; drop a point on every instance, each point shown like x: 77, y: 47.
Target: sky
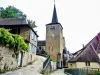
x: 80, y: 18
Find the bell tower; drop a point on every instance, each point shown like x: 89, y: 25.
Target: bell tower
x: 54, y: 38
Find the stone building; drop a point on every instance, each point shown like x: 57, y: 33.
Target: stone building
x: 21, y: 27
x: 54, y: 38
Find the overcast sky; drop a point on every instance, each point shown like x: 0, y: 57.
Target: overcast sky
x: 80, y: 18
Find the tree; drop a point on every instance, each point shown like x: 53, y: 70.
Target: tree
x: 12, y: 12
x: 1, y: 8
x: 31, y: 23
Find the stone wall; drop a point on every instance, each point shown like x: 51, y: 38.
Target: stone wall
x: 54, y: 41
x: 28, y: 58
x: 8, y: 59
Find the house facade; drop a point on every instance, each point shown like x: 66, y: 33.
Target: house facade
x: 31, y: 39
x: 89, y: 56
x: 21, y: 27
x: 41, y: 47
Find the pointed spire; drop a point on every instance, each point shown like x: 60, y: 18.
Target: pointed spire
x: 54, y: 17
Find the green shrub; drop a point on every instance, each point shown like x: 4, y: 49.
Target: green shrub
x: 12, y: 40
x: 6, y: 38
x: 19, y: 43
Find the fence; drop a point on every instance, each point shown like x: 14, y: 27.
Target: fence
x: 47, y: 66
x: 78, y: 71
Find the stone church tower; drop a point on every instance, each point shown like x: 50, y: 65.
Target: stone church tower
x: 54, y: 38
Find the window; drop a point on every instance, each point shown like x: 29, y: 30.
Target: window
x: 52, y: 27
x: 39, y: 48
x: 32, y: 48
x: 52, y: 49
x: 49, y: 48
x: 87, y: 63
x: 15, y: 30
x: 71, y: 64
x: 34, y: 37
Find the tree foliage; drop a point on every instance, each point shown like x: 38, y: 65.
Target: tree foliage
x: 12, y: 40
x: 31, y: 23
x: 12, y: 12
x: 19, y: 42
x: 6, y: 38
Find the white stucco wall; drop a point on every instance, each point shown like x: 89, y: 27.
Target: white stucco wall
x: 94, y: 65
x: 83, y: 65
x: 99, y: 55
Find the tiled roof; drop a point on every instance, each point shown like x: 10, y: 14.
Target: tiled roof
x: 90, y: 52
x: 54, y: 17
x: 15, y: 21
x: 12, y: 21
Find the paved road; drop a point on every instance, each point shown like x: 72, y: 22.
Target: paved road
x: 34, y: 69
x: 58, y: 72
x: 31, y: 69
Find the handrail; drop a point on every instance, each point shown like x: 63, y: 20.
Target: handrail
x: 46, y: 63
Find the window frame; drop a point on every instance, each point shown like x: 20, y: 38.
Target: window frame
x: 87, y: 63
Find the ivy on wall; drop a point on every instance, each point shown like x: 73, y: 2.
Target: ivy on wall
x: 12, y: 40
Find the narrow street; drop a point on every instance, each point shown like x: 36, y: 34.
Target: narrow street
x: 34, y: 69
x: 58, y: 72
x: 30, y: 69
